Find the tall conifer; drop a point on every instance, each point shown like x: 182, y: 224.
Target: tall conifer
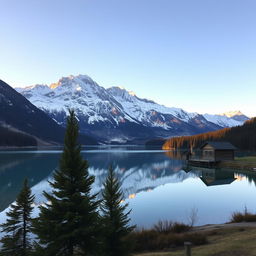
x: 115, y: 218
x: 67, y: 224
x: 18, y: 225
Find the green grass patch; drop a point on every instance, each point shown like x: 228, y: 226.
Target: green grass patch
x: 246, y: 159
x: 242, y: 163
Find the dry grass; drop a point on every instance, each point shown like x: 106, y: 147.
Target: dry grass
x: 222, y: 242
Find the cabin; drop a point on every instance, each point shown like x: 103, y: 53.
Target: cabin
x: 217, y: 151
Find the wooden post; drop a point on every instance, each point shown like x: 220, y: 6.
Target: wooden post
x: 187, y: 246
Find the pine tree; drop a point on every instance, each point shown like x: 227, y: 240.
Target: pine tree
x: 67, y: 224
x: 115, y: 218
x: 18, y: 225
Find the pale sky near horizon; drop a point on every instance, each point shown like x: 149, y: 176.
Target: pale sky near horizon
x: 199, y: 55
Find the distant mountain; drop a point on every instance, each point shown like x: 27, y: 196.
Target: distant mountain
x: 20, y: 116
x: 236, y: 115
x: 117, y: 115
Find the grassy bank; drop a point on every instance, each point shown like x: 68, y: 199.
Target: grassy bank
x: 223, y: 241
x: 242, y: 163
x: 165, y: 235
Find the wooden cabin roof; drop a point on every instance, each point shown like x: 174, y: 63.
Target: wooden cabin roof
x: 219, y: 145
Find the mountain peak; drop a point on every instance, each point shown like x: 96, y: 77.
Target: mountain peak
x: 81, y: 80
x: 54, y: 85
x: 132, y: 93
x: 232, y: 113
x: 121, y: 88
x: 236, y: 115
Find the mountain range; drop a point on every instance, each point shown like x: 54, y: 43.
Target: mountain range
x: 23, y: 124
x: 115, y: 115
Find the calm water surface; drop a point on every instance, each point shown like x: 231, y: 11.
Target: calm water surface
x: 156, y: 185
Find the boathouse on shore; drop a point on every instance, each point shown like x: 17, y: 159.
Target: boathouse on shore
x: 217, y: 151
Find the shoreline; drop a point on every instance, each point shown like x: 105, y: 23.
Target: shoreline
x: 241, y: 163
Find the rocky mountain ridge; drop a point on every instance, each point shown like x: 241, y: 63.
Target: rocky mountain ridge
x: 117, y: 115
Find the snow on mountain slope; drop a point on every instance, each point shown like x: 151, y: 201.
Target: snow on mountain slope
x: 139, y: 109
x: 93, y: 101
x: 222, y: 121
x: 80, y: 93
x: 236, y: 115
x: 119, y: 112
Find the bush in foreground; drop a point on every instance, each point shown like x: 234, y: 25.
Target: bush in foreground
x: 151, y: 240
x: 166, y: 235
x: 243, y: 217
x: 171, y: 227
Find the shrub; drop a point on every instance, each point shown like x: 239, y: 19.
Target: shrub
x: 179, y: 227
x: 240, y: 217
x: 237, y: 217
x: 151, y: 240
x: 144, y: 240
x: 163, y: 226
x: 167, y: 227
x: 165, y: 235
x: 249, y: 217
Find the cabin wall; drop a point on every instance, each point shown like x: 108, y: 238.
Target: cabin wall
x: 224, y: 155
x: 208, y: 154
x: 211, y: 154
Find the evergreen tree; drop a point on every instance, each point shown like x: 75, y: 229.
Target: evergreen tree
x: 67, y: 224
x: 18, y: 225
x: 115, y: 218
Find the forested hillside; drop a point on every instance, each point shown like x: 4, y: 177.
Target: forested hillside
x: 243, y: 137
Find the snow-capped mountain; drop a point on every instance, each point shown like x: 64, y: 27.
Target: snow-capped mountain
x: 23, y: 124
x: 115, y: 114
x: 223, y: 120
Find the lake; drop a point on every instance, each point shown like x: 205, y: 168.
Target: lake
x: 157, y: 185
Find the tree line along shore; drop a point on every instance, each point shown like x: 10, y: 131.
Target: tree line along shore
x: 243, y: 137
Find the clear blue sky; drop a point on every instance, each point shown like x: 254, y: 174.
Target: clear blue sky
x: 199, y: 55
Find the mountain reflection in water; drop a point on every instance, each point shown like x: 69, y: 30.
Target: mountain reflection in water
x: 138, y: 171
